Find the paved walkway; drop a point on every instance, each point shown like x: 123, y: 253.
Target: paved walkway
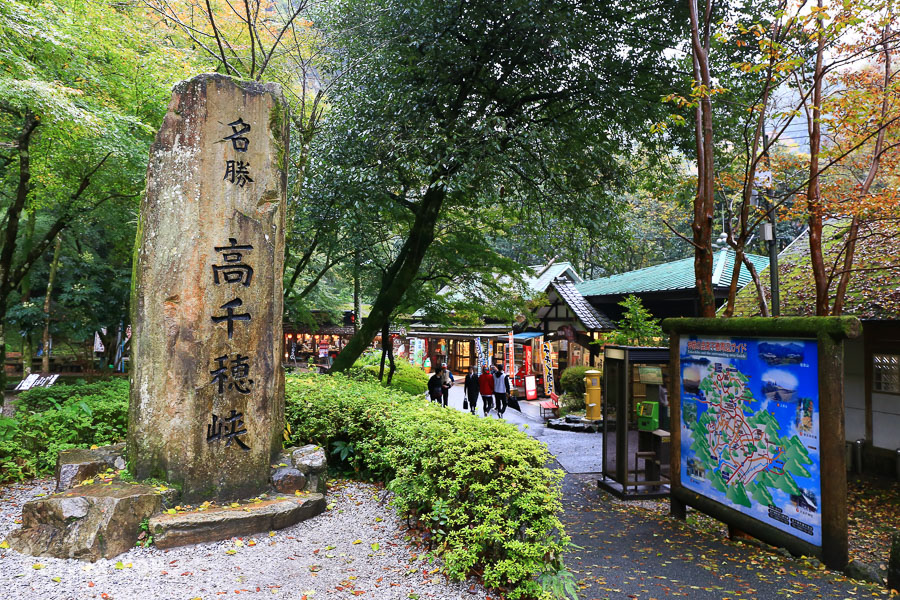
x: 635, y: 550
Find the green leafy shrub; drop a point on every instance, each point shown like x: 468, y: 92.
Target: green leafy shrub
x: 407, y: 378
x: 572, y: 380
x: 637, y: 327
x: 480, y: 485
x: 66, y: 417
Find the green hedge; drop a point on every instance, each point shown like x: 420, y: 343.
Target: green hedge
x: 407, y: 378
x: 57, y: 418
x: 572, y: 380
x: 480, y: 484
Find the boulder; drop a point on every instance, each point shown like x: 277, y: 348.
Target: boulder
x: 215, y: 525
x: 288, y: 480
x: 310, y: 460
x: 77, y: 465
x: 863, y: 572
x: 88, y: 522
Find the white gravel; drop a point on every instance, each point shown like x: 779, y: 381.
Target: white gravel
x: 329, y: 556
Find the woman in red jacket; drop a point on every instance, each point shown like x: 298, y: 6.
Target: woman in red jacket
x: 486, y: 384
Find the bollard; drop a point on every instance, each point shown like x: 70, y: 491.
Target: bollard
x: 893, y: 579
x: 858, y: 455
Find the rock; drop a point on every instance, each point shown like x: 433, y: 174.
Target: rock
x: 288, y: 480
x: 214, y: 525
x: 206, y: 409
x: 76, y: 465
x: 89, y: 522
x: 310, y: 460
x: 863, y: 572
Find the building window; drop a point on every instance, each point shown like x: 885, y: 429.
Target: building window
x: 886, y: 373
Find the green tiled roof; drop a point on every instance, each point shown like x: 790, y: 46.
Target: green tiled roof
x: 675, y: 275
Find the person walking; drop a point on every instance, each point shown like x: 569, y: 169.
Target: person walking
x: 501, y: 389
x: 486, y: 386
x: 446, y: 383
x: 472, y: 388
x: 435, y: 386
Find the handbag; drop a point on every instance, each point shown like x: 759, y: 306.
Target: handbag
x: 465, y: 403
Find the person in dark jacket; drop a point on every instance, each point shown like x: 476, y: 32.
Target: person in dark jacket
x: 435, y: 385
x: 501, y: 389
x: 486, y: 385
x: 472, y: 388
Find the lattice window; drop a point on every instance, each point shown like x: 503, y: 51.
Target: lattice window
x: 886, y: 373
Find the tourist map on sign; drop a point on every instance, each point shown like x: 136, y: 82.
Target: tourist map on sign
x: 750, y: 427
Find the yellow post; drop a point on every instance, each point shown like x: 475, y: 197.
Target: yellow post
x: 592, y: 395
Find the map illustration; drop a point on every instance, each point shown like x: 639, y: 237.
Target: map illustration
x: 749, y: 429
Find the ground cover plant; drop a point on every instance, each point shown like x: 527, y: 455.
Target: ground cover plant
x: 58, y: 418
x: 479, y: 485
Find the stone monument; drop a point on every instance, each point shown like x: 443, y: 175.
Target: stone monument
x: 206, y: 411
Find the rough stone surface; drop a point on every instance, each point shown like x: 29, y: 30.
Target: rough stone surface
x: 311, y: 461
x: 288, y: 480
x: 76, y: 465
x: 863, y: 572
x: 189, y: 374
x: 89, y: 522
x: 214, y: 525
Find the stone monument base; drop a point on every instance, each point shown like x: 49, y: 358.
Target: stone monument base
x: 95, y: 514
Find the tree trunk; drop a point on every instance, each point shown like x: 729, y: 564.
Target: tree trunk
x: 850, y: 248
x: 390, y: 355
x: 704, y: 203
x: 27, y: 340
x: 813, y: 199
x: 385, y: 333
x: 356, y: 299
x: 399, y: 276
x: 45, y: 358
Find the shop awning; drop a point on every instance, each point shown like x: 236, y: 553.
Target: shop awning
x: 527, y: 335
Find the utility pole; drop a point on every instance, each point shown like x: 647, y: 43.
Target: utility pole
x: 773, y: 238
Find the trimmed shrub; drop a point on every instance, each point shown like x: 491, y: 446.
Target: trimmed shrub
x: 479, y: 485
x: 407, y: 378
x: 58, y: 418
x: 572, y: 380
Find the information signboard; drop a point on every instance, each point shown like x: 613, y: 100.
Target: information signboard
x: 750, y: 435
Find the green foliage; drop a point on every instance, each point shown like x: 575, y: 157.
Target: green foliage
x: 637, y: 327
x: 59, y: 418
x: 572, y: 380
x: 407, y: 378
x: 479, y: 485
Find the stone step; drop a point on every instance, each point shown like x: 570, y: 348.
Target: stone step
x: 213, y: 525
x: 89, y: 522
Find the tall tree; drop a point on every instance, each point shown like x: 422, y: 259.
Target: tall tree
x: 455, y: 105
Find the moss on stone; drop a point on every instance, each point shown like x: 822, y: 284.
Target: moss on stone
x: 835, y: 327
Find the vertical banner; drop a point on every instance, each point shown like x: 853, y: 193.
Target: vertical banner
x: 527, y: 359
x: 549, y: 384
x: 479, y: 354
x: 511, y: 368
x: 490, y: 356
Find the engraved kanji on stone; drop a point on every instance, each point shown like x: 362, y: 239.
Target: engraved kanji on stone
x: 234, y: 376
x: 230, y: 316
x: 238, y: 129
x: 228, y: 429
x: 234, y: 270
x: 237, y: 171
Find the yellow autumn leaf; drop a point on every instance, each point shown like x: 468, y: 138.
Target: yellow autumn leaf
x: 4, y: 545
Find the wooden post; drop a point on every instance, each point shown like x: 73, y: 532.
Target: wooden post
x: 677, y: 508
x: 831, y: 451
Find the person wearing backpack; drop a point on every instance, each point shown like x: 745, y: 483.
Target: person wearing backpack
x: 501, y: 389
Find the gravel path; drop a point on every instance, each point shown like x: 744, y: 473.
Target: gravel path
x: 358, y: 548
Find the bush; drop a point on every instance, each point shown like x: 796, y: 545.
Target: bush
x: 407, y: 378
x: 58, y: 418
x: 480, y: 485
x: 572, y: 380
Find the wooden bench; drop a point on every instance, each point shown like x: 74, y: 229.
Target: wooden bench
x: 550, y: 407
